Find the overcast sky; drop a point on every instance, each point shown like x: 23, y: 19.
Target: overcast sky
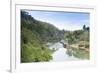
x: 62, y: 20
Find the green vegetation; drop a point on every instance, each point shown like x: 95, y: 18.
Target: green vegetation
x: 82, y: 54
x: 78, y: 42
x: 34, y: 35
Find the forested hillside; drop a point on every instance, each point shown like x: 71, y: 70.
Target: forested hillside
x: 34, y: 34
x: 78, y: 41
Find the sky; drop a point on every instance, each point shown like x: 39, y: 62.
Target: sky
x: 62, y: 20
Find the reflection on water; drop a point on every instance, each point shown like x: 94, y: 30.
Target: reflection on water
x: 61, y: 53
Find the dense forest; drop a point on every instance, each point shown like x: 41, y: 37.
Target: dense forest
x: 35, y: 34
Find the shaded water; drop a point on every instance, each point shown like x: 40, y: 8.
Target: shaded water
x: 60, y: 53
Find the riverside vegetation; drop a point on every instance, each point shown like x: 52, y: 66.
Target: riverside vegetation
x: 36, y: 34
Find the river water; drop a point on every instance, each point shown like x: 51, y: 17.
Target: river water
x: 60, y: 53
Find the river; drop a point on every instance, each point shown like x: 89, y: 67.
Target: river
x: 60, y: 53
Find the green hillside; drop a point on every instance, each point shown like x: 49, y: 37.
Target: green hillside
x: 78, y: 41
x: 34, y: 35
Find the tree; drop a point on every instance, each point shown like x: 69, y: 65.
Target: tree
x: 84, y: 27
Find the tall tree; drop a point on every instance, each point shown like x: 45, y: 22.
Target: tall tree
x: 84, y: 27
